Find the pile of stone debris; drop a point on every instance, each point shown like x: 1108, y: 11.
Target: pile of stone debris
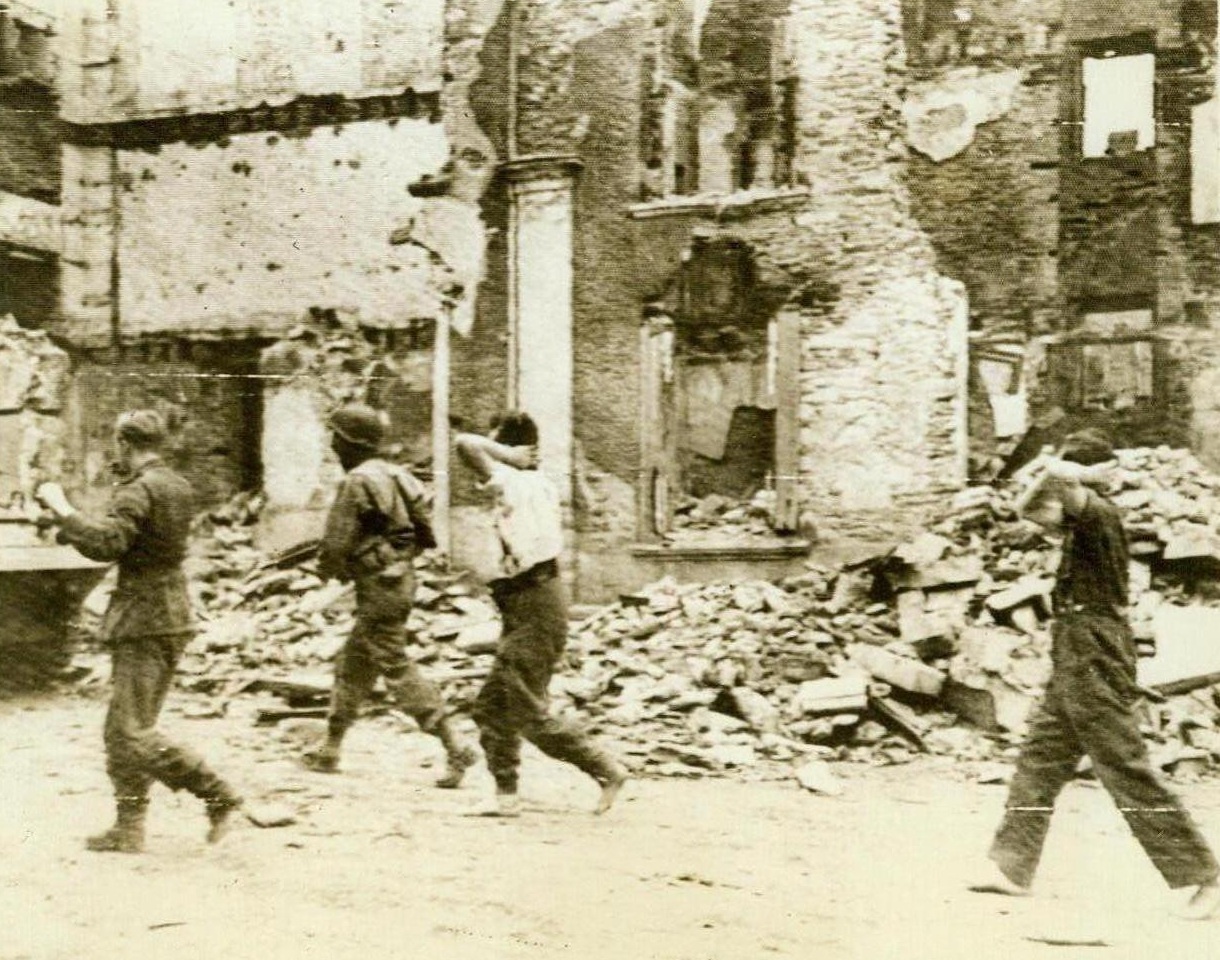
x: 726, y: 517
x: 939, y: 645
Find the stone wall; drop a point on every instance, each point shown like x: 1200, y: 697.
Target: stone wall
x: 883, y: 415
x: 882, y: 370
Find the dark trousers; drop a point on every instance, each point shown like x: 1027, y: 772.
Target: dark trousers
x: 513, y: 702
x: 377, y: 647
x: 136, y: 752
x: 1089, y: 709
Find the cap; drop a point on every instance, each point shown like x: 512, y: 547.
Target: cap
x: 142, y: 428
x: 1087, y: 447
x: 359, y: 425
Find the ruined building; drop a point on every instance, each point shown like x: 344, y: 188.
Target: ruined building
x: 1064, y: 164
x: 773, y: 275
x: 754, y: 347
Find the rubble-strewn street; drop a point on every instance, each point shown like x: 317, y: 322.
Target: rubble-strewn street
x: 381, y: 864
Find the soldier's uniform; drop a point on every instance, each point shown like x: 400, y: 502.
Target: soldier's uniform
x: 512, y: 704
x: 147, y: 625
x: 1089, y: 709
x: 378, y: 522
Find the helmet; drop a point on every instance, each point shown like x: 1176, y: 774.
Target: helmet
x: 142, y: 428
x: 359, y: 425
x: 1087, y: 447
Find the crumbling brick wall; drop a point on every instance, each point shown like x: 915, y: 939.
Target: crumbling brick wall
x: 981, y: 110
x: 321, y: 167
x: 1042, y: 236
x: 1127, y: 240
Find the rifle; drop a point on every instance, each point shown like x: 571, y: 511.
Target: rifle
x: 292, y: 556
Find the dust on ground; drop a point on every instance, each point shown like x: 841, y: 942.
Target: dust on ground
x: 381, y: 865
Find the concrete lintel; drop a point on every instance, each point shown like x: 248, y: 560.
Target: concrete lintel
x: 726, y: 206
x: 542, y: 167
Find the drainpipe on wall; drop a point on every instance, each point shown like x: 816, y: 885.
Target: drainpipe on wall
x: 510, y: 150
x: 441, y: 429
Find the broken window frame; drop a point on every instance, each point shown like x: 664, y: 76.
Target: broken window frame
x: 1070, y: 360
x: 660, y: 473
x: 674, y: 103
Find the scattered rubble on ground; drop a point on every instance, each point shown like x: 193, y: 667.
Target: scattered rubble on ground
x: 940, y: 645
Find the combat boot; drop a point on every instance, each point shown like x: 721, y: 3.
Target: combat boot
x: 461, y: 756
x: 127, y: 834
x: 323, y: 759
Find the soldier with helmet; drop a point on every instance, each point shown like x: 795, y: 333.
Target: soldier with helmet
x: 378, y: 523
x: 147, y: 625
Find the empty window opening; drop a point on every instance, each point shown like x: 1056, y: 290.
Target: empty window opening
x: 1119, y: 104
x: 719, y: 110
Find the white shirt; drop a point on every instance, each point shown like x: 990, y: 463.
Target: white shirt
x: 528, y: 518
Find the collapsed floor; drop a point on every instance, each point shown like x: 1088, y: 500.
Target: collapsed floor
x: 940, y: 645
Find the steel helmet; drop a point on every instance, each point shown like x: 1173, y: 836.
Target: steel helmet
x: 359, y: 425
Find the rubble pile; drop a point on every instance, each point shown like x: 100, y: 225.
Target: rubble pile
x: 939, y: 645
x: 726, y: 517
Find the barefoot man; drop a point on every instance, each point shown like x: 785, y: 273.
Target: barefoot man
x: 1089, y: 705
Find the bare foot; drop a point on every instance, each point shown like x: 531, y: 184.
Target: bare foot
x: 1204, y: 902
x: 610, y: 791
x: 995, y: 882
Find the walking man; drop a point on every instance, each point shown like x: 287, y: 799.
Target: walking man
x: 1089, y: 705
x: 513, y: 702
x: 377, y: 524
x: 147, y: 625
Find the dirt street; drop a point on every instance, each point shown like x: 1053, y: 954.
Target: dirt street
x: 380, y: 865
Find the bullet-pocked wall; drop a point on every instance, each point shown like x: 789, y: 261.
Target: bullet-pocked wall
x: 265, y: 174
x: 266, y: 225
x: 882, y: 334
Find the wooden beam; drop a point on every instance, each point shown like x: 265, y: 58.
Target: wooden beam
x: 30, y: 224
